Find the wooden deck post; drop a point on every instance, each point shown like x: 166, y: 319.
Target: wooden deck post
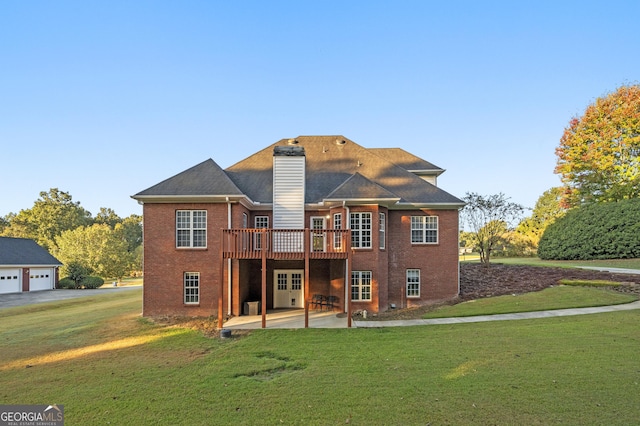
x: 307, y: 248
x: 221, y: 292
x: 264, y: 277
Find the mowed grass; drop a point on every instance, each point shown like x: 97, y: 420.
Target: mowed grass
x: 108, y: 366
x: 534, y: 261
x: 562, y: 297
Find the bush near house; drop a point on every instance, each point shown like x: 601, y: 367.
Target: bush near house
x: 89, y: 282
x: 594, y: 231
x: 92, y: 282
x: 66, y: 283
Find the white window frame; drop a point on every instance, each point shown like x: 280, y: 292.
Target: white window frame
x: 260, y: 222
x: 361, y: 286
x: 191, y: 225
x: 382, y: 230
x: 337, y: 237
x: 413, y: 283
x: 424, y: 230
x: 361, y: 233
x: 191, y: 285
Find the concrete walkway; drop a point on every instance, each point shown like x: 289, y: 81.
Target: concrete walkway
x: 502, y: 317
x: 612, y: 270
x: 295, y: 318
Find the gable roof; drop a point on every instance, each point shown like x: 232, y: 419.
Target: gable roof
x: 358, y: 187
x: 24, y: 252
x: 206, y: 179
x: 336, y: 169
x: 408, y: 161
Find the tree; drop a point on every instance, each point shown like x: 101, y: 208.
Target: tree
x: 4, y: 223
x: 53, y: 213
x: 547, y: 209
x: 107, y: 216
x: 489, y: 217
x: 599, y: 153
x: 98, y: 248
x: 76, y: 272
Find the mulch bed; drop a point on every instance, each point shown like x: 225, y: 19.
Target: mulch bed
x: 478, y: 281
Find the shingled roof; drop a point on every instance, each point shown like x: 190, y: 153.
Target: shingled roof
x: 204, y: 179
x: 336, y: 168
x: 24, y: 252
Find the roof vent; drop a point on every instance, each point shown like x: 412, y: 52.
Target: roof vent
x: 292, y: 142
x: 340, y: 141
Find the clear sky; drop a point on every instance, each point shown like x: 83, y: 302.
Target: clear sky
x: 103, y: 99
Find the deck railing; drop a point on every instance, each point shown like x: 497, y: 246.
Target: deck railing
x: 285, y: 243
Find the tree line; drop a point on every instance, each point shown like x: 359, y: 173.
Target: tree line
x: 594, y: 214
x: 105, y: 245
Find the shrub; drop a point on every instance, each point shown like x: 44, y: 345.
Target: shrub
x: 67, y: 283
x: 590, y: 283
x: 77, y: 273
x: 92, y: 282
x: 594, y: 231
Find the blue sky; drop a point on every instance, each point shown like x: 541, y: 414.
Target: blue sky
x: 103, y: 99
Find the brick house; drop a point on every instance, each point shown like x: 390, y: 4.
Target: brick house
x: 306, y: 221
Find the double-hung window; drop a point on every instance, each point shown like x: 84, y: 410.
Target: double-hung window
x: 191, y: 228
x: 413, y: 282
x: 424, y: 229
x: 360, y: 223
x: 360, y: 285
x: 191, y: 288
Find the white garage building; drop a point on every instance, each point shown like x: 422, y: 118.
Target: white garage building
x: 26, y: 266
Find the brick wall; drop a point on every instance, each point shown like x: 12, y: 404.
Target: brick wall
x: 438, y: 263
x: 165, y: 264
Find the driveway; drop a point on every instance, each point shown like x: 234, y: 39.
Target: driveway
x: 30, y: 298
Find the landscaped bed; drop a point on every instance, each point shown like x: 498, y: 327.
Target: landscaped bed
x: 478, y: 282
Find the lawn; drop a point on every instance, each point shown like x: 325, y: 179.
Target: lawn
x: 534, y: 261
x: 562, y: 297
x: 106, y: 365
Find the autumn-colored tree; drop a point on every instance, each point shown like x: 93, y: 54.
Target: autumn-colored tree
x: 599, y: 153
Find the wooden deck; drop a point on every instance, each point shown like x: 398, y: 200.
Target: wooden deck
x: 285, y: 244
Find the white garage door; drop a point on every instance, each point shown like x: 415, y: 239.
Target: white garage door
x: 40, y: 279
x: 10, y: 281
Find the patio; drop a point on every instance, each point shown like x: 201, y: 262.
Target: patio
x: 288, y: 318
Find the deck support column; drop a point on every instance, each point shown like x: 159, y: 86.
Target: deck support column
x: 264, y: 277
x: 221, y: 292
x: 348, y: 278
x: 307, y: 248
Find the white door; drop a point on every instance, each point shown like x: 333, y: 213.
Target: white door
x: 10, y: 281
x: 288, y: 288
x: 40, y: 279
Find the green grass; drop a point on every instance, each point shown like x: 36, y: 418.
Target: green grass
x: 547, y: 299
x: 108, y: 366
x: 534, y: 261
x: 124, y: 282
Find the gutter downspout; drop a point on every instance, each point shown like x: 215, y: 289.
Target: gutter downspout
x: 228, y: 262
